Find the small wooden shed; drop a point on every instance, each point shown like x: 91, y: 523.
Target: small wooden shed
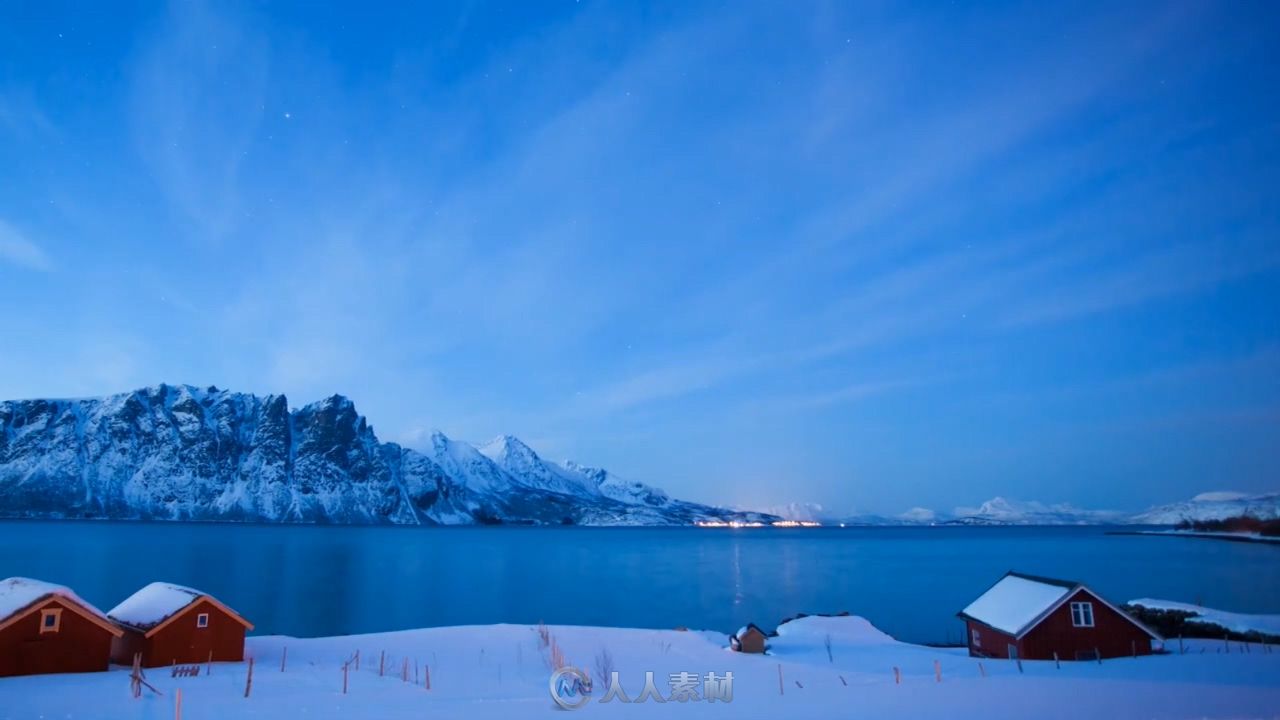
x: 171, y: 624
x: 47, y: 628
x: 750, y: 639
x: 1038, y: 618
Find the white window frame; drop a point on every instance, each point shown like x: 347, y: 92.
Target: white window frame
x: 1082, y: 614
x: 977, y: 638
x: 202, y: 620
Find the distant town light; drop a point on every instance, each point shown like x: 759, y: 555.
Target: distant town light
x: 755, y: 524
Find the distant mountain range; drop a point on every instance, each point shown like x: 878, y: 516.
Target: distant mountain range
x: 1002, y: 511
x: 1212, y: 506
x: 186, y: 453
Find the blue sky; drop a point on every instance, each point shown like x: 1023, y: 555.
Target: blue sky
x: 871, y: 255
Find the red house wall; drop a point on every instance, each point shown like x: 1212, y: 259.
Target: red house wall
x: 79, y: 645
x: 752, y: 641
x: 182, y: 642
x: 994, y: 643
x: 1112, y: 634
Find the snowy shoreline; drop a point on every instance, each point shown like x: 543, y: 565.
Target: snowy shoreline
x: 1210, y: 618
x: 1204, y: 535
x: 820, y: 667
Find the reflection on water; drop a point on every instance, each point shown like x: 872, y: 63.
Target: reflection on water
x: 737, y: 573
x: 335, y: 580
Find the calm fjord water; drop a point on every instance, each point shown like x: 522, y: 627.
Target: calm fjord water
x: 326, y: 580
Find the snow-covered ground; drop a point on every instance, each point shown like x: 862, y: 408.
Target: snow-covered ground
x: 1235, y: 622
x: 1213, y: 535
x: 501, y: 671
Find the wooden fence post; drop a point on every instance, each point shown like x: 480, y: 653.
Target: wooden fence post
x: 1057, y: 665
x: 283, y: 657
x: 1097, y: 654
x: 897, y: 676
x: 177, y: 704
x: 981, y: 670
x: 937, y: 670
x: 780, y: 691
x: 344, y: 677
x: 248, y: 680
x: 426, y: 669
x: 382, y: 663
x: 1019, y: 661
x: 208, y: 669
x: 1181, y: 650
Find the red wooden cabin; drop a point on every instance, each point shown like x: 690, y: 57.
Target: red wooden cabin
x: 171, y: 624
x: 1034, y: 618
x: 46, y: 628
x: 750, y: 639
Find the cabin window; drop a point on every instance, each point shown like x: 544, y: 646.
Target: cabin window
x: 1082, y: 614
x: 977, y: 639
x: 50, y: 621
x: 202, y: 620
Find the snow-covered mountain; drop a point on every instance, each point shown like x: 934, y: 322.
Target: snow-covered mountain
x: 1002, y: 511
x: 1005, y: 511
x: 1212, y: 506
x: 996, y: 511
x: 814, y: 512
x: 611, y: 486
x: 918, y: 515
x: 187, y: 453
x: 801, y: 512
x: 522, y: 462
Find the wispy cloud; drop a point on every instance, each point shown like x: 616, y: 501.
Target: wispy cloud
x: 1132, y: 281
x: 19, y: 250
x: 22, y: 117
x: 857, y: 391
x: 732, y: 231
x: 198, y: 102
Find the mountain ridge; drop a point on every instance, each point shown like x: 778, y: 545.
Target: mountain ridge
x: 182, y: 452
x: 1214, y: 505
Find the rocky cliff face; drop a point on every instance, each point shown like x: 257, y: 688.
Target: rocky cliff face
x: 186, y: 453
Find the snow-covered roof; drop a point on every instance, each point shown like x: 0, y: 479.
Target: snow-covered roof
x: 153, y: 604
x: 150, y: 608
x: 1016, y: 601
x: 17, y: 593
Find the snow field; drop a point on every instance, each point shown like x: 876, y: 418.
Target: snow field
x: 817, y: 668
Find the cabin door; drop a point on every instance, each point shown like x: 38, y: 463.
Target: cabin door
x: 1013, y: 652
x: 38, y: 657
x: 201, y: 644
